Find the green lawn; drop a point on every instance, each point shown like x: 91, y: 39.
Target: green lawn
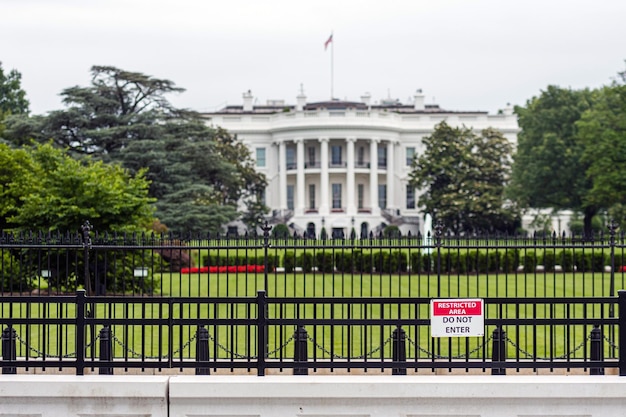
x: 342, y: 341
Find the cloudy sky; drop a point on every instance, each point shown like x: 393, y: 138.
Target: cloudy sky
x: 464, y: 54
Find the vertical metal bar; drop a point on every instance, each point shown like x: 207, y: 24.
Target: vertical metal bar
x: 261, y: 332
x: 266, y: 245
x: 80, y: 332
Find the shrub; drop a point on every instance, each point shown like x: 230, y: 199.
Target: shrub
x: 289, y: 261
x: 14, y: 275
x: 344, y: 261
x: 363, y: 262
x: 391, y: 232
x: 324, y: 261
x: 305, y: 260
x: 280, y: 231
x: 529, y: 260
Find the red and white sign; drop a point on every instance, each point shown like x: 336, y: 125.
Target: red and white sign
x: 457, y: 317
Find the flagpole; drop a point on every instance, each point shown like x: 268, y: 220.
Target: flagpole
x: 332, y: 71
x: 331, y: 41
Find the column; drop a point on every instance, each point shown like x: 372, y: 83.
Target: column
x: 374, y: 175
x: 282, y: 175
x: 350, y: 203
x: 299, y: 177
x: 391, y: 201
x: 324, y: 179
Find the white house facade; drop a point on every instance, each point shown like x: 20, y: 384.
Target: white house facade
x: 344, y: 165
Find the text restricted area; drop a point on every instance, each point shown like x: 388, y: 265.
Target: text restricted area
x: 461, y: 317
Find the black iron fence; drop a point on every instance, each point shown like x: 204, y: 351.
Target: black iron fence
x: 256, y: 303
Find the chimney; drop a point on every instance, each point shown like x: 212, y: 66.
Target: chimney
x: 508, y: 110
x: 418, y: 100
x: 300, y: 100
x: 247, y: 101
x: 365, y: 98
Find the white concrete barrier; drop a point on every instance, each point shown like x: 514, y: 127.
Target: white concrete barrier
x: 83, y: 396
x: 312, y: 396
x: 406, y: 396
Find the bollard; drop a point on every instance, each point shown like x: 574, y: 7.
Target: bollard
x: 300, y: 354
x: 202, y: 350
x: 498, y: 351
x: 9, y: 336
x: 597, y: 352
x: 106, y: 350
x: 399, y: 350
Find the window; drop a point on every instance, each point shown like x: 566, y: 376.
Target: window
x: 335, y: 155
x: 291, y: 158
x: 260, y: 157
x: 290, y: 197
x: 336, y: 196
x: 382, y: 157
x: 410, y: 154
x: 382, y: 196
x: 312, y: 196
x: 311, y: 151
x: 360, y: 189
x: 410, y: 197
x: 360, y: 157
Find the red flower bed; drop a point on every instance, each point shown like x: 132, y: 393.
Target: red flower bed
x: 216, y: 269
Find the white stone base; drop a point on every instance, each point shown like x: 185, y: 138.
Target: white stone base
x: 312, y: 396
x: 406, y: 396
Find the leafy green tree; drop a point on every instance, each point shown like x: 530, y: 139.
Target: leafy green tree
x: 195, y: 172
x: 50, y: 191
x: 549, y: 170
x: 12, y: 96
x: 463, y: 176
x: 602, y: 132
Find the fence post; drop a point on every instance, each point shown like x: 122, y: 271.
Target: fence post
x: 9, y: 337
x: 498, y: 351
x: 106, y: 350
x: 86, y: 228
x: 300, y: 352
x: 266, y: 245
x: 80, y: 332
x: 261, y: 332
x: 399, y: 349
x: 202, y: 350
x: 621, y: 303
x: 597, y: 350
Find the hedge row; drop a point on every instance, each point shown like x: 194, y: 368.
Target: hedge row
x: 237, y: 260
x: 569, y: 260
x: 466, y: 262
x: 472, y: 261
x: 355, y: 261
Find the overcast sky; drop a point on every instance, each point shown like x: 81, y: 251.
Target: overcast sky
x: 464, y: 55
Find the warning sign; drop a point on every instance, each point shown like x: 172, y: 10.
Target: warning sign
x: 457, y: 317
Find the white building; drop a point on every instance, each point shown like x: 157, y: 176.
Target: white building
x: 344, y: 165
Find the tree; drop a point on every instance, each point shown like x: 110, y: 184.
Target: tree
x: 602, y: 132
x: 463, y: 176
x: 124, y: 117
x: 50, y: 191
x: 548, y: 169
x: 12, y: 96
